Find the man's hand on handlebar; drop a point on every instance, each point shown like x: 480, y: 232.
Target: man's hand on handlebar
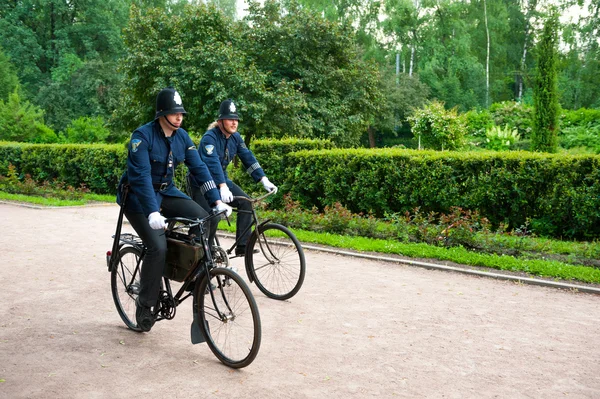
x: 157, y: 221
x: 223, y: 207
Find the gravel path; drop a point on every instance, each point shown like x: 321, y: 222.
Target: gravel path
x: 357, y: 329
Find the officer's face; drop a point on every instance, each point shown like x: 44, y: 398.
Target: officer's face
x: 229, y: 126
x: 175, y: 119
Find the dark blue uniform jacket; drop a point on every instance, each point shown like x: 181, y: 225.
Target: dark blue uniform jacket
x: 217, y: 152
x: 151, y: 162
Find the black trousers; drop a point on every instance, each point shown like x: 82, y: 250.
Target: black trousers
x: 156, y: 243
x: 244, y: 219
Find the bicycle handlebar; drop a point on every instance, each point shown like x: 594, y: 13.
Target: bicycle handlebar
x: 257, y: 199
x: 194, y: 222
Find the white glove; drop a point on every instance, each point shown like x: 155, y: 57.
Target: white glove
x: 226, y: 195
x: 267, y: 184
x: 157, y: 221
x: 221, y: 206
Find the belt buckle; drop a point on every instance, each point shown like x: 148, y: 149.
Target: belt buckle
x: 163, y: 186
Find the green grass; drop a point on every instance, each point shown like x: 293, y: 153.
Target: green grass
x: 534, y: 267
x: 47, y: 201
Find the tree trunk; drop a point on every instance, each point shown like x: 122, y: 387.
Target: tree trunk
x: 371, y: 133
x: 528, y: 16
x: 487, y: 60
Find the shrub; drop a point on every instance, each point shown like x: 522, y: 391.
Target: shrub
x: 581, y: 137
x: 22, y: 121
x: 500, y: 139
x: 478, y: 122
x: 439, y: 129
x: 580, y: 117
x: 86, y: 130
x: 515, y: 115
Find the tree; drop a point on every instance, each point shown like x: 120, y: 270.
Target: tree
x: 361, y: 15
x: 402, y: 94
x: 405, y: 23
x: 57, y: 40
x: 291, y: 72
x: 579, y: 65
x: 22, y: 121
x: 545, y: 92
x: 322, y: 61
x: 8, y: 76
x: 227, y: 6
x: 200, y: 53
x: 438, y: 128
x: 86, y: 130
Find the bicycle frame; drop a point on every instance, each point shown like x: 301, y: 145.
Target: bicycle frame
x: 201, y: 269
x: 255, y: 221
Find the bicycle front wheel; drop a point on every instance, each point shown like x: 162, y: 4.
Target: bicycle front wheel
x: 125, y: 284
x: 228, y: 317
x: 278, y: 268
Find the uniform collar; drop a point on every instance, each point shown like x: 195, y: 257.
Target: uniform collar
x: 162, y: 132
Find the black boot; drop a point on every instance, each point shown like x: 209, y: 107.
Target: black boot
x: 143, y: 316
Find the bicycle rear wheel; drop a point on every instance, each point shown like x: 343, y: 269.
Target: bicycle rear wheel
x: 125, y: 284
x: 279, y: 267
x: 229, y: 319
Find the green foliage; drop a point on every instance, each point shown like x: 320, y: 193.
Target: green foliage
x: 97, y: 167
x: 582, y: 137
x: 27, y: 186
x: 291, y: 73
x: 580, y: 117
x: 579, y: 61
x: 514, y: 115
x: 500, y: 138
x: 402, y: 94
x: 477, y: 122
x: 86, y: 130
x: 545, y: 92
x: 24, y: 122
x: 460, y: 234
x: 438, y: 128
x: 556, y: 193
x: 273, y: 156
x: 67, y: 53
x: 8, y: 76
x: 88, y: 90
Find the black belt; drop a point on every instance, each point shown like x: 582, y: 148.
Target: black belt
x: 161, y: 186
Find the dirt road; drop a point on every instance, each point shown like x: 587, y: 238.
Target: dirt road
x: 357, y: 329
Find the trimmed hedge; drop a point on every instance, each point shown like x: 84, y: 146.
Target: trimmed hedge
x: 557, y: 194
x: 97, y: 166
x: 272, y: 156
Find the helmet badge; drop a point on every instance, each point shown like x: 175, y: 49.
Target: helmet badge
x: 177, y: 98
x: 232, y: 108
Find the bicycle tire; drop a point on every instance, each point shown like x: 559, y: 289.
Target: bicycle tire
x: 279, y: 267
x: 124, y: 287
x: 235, y: 336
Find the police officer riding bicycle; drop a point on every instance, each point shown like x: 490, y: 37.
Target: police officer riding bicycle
x: 154, y: 151
x: 217, y: 148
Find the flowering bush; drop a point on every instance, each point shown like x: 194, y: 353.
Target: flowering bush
x: 501, y: 138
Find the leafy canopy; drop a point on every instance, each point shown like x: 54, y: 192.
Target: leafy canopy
x: 291, y: 72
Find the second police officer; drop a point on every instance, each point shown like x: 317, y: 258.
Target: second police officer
x: 217, y: 148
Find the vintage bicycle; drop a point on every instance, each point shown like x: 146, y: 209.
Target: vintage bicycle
x: 274, y: 259
x: 225, y: 311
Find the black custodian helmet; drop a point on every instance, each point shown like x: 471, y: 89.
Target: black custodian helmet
x: 227, y: 110
x: 168, y: 102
